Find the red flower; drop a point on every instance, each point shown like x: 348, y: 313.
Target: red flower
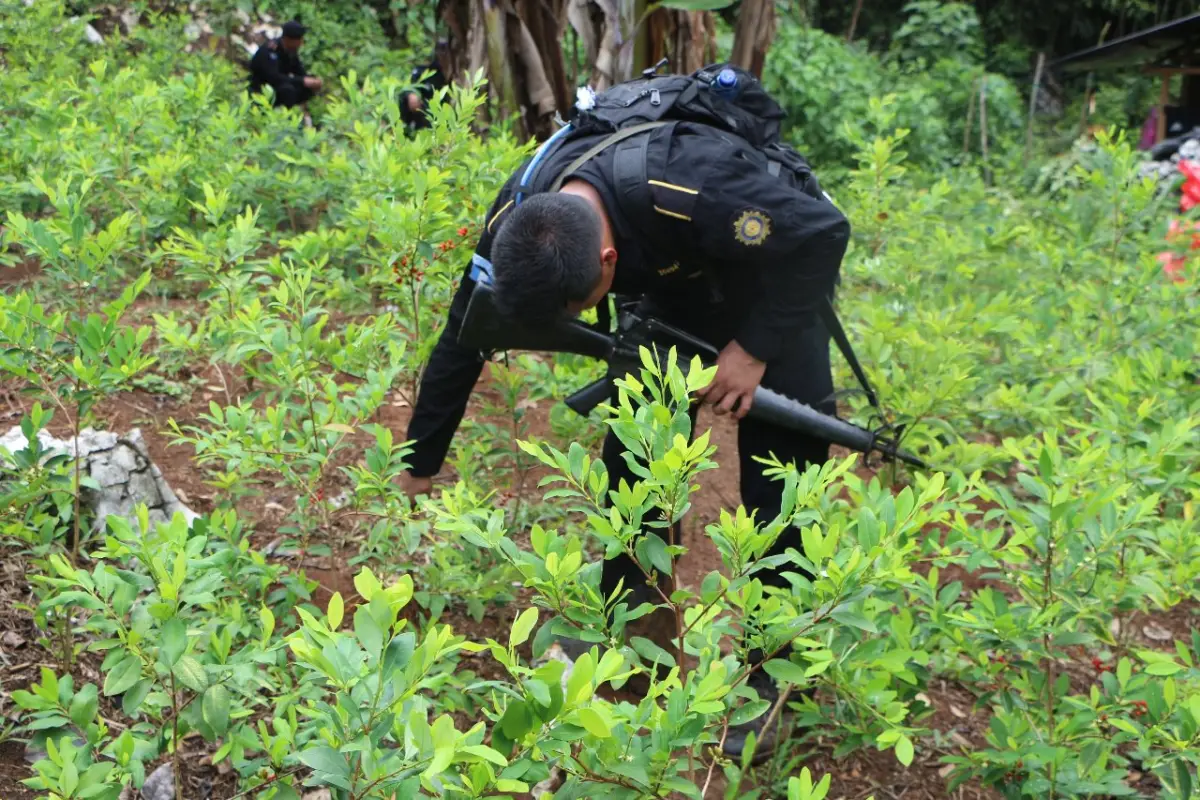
x: 463, y: 231
x: 1172, y: 266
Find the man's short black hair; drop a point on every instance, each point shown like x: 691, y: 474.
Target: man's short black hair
x: 546, y: 255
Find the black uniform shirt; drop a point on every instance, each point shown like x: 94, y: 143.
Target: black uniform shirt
x: 730, y: 250
x: 727, y: 233
x: 275, y: 66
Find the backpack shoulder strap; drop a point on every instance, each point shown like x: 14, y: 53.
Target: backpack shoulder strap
x: 604, y: 144
x: 830, y: 318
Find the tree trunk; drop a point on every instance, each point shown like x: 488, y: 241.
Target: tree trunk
x: 854, y: 21
x: 753, y: 36
x: 687, y: 39
x: 517, y: 45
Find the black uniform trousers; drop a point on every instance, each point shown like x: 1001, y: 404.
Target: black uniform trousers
x: 802, y: 372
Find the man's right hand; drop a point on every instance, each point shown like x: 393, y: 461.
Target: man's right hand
x: 312, y: 83
x: 414, y: 486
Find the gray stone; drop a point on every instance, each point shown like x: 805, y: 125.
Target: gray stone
x: 143, y: 486
x: 160, y: 784
x: 121, y: 466
x: 130, y: 18
x: 108, y: 474
x: 125, y: 459
x: 113, y: 506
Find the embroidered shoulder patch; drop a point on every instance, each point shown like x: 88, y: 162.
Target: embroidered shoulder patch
x: 752, y: 228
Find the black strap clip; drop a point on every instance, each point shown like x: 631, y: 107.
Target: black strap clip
x: 650, y: 72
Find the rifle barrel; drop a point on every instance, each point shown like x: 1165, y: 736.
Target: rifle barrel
x: 785, y: 412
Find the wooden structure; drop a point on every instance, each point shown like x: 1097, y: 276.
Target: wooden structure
x: 1166, y: 50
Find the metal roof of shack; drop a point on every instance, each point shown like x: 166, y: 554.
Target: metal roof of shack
x: 1173, y: 43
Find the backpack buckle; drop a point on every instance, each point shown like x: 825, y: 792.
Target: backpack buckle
x: 650, y: 72
x: 655, y: 97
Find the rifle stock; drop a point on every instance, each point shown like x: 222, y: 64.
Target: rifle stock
x: 486, y: 329
x: 599, y: 391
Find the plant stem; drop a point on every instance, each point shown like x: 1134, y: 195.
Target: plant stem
x: 76, y: 423
x: 1047, y: 598
x: 175, y: 741
x: 683, y: 669
x: 518, y: 468
x: 265, y: 784
x: 78, y: 487
x: 713, y: 764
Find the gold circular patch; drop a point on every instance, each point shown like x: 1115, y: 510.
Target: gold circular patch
x: 752, y: 227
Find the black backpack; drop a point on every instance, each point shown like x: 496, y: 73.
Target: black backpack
x: 721, y: 95
x: 724, y: 96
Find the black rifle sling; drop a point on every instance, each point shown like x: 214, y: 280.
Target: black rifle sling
x: 830, y: 318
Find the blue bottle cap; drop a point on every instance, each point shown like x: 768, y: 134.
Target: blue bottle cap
x: 727, y: 78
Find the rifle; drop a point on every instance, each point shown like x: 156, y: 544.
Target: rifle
x: 484, y: 328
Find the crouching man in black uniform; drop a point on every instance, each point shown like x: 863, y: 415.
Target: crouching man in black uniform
x: 717, y: 242
x: 414, y: 105
x: 277, y: 64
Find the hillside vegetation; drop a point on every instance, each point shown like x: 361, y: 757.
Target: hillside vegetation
x: 260, y: 298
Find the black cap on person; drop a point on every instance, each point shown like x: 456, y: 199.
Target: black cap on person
x: 294, y: 30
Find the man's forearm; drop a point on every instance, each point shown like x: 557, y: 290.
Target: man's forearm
x: 444, y: 393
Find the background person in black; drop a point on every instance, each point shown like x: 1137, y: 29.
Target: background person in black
x: 414, y: 104
x: 277, y: 64
x: 716, y: 245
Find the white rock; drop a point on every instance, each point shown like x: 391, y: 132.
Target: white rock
x: 550, y: 784
x: 121, y: 466
x: 555, y: 653
x: 267, y: 31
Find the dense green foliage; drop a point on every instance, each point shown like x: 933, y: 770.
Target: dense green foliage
x: 826, y: 86
x: 1010, y: 32
x: 185, y: 235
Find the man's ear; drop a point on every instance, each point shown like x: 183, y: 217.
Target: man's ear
x: 608, y: 260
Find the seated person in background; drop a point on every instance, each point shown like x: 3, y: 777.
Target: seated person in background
x: 277, y: 64
x: 414, y: 103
